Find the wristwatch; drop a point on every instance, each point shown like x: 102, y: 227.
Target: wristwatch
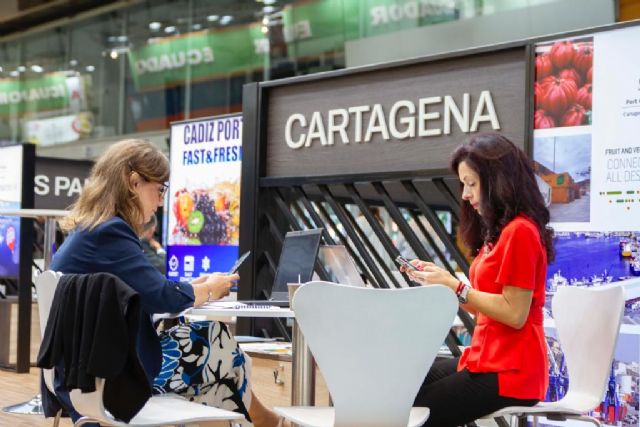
x: 464, y: 292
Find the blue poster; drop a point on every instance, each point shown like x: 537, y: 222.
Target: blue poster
x: 204, y: 204
x: 10, y: 198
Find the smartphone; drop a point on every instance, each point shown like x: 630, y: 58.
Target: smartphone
x: 403, y: 261
x: 236, y: 265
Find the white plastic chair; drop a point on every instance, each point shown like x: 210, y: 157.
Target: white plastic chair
x: 45, y: 285
x: 158, y: 411
x: 374, y: 348
x: 587, y: 321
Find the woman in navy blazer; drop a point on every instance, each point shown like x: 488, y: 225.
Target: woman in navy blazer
x: 126, y: 186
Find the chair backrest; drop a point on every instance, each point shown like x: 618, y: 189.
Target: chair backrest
x: 588, y: 322
x: 374, y: 347
x: 46, y: 284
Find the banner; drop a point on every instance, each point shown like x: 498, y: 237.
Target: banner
x: 202, y: 55
x: 10, y: 198
x: 587, y: 158
x: 204, y: 203
x: 58, y: 130
x: 59, y: 182
x: 322, y: 26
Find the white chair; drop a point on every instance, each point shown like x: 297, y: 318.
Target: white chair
x: 374, y: 348
x: 587, y: 322
x: 45, y: 285
x: 158, y: 411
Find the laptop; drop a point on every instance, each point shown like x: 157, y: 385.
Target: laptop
x: 296, y: 264
x: 339, y: 265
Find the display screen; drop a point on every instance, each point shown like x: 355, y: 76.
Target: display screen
x: 10, y: 198
x: 204, y: 196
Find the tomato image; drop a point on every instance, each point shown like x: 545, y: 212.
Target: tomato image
x: 562, y: 54
x: 557, y: 95
x: 575, y: 116
x: 544, y: 67
x: 583, y: 97
x: 542, y: 121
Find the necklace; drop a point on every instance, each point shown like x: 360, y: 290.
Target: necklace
x: 487, y: 248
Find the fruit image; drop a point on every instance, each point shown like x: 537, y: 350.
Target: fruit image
x: 557, y: 95
x: 575, y: 116
x: 562, y: 89
x: 542, y: 121
x: 183, y: 207
x: 583, y: 59
x: 544, y: 67
x: 570, y: 73
x: 583, y: 97
x: 195, y: 222
x: 561, y: 54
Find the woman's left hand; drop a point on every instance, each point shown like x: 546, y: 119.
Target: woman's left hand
x: 431, y: 274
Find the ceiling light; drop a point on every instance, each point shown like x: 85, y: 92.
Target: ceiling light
x: 265, y: 29
x: 73, y: 62
x: 155, y: 26
x: 196, y: 27
x: 14, y: 73
x: 170, y: 29
x: 37, y: 69
x: 268, y: 2
x: 122, y: 39
x: 226, y: 19
x: 268, y: 9
x: 90, y: 68
x: 265, y: 20
x: 22, y: 69
x: 113, y: 54
x: 212, y: 18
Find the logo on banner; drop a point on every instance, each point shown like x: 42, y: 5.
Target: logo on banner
x: 189, y: 263
x: 173, y: 263
x: 206, y: 263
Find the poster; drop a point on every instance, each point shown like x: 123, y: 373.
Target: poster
x: 204, y: 196
x: 10, y: 198
x: 587, y: 159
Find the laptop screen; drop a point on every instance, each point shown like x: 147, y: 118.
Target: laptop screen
x: 297, y: 259
x: 339, y: 265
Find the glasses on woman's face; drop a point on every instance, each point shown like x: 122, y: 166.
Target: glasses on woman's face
x: 162, y: 190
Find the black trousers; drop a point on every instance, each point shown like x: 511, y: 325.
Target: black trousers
x: 456, y: 398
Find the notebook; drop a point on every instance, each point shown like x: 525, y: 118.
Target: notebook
x: 297, y: 261
x: 339, y: 265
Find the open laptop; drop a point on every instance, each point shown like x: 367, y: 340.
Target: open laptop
x: 296, y: 264
x: 339, y: 265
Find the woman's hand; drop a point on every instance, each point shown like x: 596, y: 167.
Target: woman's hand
x: 219, y: 284
x: 212, y: 287
x: 428, y: 273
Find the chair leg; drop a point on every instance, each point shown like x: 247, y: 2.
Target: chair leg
x: 56, y: 420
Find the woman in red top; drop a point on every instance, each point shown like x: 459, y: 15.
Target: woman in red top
x: 504, y: 223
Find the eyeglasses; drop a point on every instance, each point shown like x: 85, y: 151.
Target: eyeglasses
x: 161, y: 191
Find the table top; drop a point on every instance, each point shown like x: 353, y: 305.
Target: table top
x: 34, y: 213
x: 232, y: 308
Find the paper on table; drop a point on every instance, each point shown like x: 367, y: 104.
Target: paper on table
x: 235, y: 305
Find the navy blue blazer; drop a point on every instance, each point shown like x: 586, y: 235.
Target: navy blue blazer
x: 113, y: 247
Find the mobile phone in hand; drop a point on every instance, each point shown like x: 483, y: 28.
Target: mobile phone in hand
x: 404, y: 262
x: 236, y: 265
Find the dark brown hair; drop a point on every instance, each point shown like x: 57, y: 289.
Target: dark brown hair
x: 508, y: 188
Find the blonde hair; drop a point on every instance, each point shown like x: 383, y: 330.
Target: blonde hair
x: 109, y: 191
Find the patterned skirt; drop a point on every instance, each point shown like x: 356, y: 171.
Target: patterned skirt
x: 203, y: 362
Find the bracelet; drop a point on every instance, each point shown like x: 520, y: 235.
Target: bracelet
x: 208, y: 293
x: 459, y: 288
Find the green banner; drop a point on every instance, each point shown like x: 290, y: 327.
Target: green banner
x: 48, y: 92
x: 200, y: 55
x: 322, y: 26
